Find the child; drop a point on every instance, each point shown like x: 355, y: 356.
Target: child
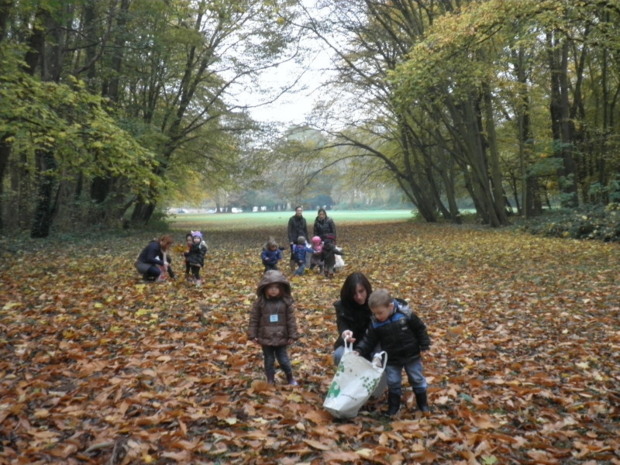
x: 273, y: 324
x: 300, y: 250
x: 189, y: 240
x: 271, y: 255
x: 196, y: 256
x: 329, y: 257
x: 317, y: 258
x: 402, y: 334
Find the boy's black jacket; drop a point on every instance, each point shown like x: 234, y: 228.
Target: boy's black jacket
x: 403, y: 339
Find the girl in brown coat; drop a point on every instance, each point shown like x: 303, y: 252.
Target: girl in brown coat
x: 273, y: 324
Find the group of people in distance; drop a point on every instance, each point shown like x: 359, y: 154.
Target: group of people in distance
x: 318, y: 252
x: 370, y: 321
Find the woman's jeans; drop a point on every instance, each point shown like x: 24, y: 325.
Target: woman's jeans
x: 414, y: 371
x: 148, y: 271
x: 271, y: 353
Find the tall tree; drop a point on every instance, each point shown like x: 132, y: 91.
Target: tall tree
x: 377, y: 36
x: 58, y: 132
x: 461, y: 65
x: 164, y: 68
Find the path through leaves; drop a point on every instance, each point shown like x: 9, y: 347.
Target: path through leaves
x: 97, y: 367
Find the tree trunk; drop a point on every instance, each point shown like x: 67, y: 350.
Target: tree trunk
x: 416, y: 186
x: 50, y: 60
x: 560, y: 119
x: 99, y: 190
x: 531, y: 204
x: 92, y: 42
x: 5, y: 147
x: 111, y: 88
x: 447, y: 175
x: 468, y: 121
x: 5, y: 9
x: 101, y: 186
x: 497, y: 189
x: 44, y: 211
x: 5, y: 152
x: 142, y: 212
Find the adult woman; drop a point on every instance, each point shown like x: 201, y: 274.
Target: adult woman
x: 297, y: 227
x: 352, y: 311
x: 324, y: 226
x: 153, y: 260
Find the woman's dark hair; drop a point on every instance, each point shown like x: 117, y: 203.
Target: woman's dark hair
x: 347, y: 291
x: 321, y: 210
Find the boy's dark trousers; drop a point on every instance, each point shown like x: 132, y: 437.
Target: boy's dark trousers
x: 270, y: 266
x: 195, y: 271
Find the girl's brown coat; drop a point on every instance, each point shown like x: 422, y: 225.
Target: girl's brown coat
x: 272, y: 321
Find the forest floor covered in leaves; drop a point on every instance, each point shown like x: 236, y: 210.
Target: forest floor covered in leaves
x: 97, y: 367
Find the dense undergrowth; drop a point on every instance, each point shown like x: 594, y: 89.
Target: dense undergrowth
x: 594, y: 223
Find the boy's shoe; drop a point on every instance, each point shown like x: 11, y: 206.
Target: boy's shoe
x: 422, y: 400
x: 198, y: 283
x: 393, y: 404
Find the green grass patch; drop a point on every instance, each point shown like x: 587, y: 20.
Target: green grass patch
x: 232, y: 221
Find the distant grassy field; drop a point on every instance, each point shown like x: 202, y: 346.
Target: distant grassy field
x: 266, y: 219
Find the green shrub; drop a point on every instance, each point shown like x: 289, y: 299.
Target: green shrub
x: 591, y: 222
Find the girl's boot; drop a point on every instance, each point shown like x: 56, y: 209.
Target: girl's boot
x: 271, y: 376
x: 422, y: 401
x: 393, y: 404
x: 291, y: 380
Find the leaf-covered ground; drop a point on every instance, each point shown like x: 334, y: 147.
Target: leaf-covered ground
x: 97, y: 367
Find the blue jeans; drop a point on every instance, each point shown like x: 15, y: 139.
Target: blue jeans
x: 148, y: 271
x: 300, y: 270
x: 271, y: 353
x: 338, y: 353
x: 413, y: 369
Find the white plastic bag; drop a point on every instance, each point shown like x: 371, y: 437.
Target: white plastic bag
x: 339, y: 263
x: 382, y: 384
x: 356, y: 379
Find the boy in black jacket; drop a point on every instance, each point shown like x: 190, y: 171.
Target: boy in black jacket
x: 402, y: 334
